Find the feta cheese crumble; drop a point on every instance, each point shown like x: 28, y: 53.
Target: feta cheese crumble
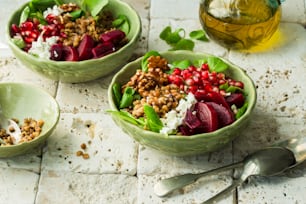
x: 41, y: 48
x: 174, y: 118
x: 55, y: 10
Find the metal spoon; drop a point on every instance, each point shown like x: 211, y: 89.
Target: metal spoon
x: 267, y: 161
x: 11, y: 128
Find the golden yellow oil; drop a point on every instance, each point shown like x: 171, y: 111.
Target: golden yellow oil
x: 240, y: 24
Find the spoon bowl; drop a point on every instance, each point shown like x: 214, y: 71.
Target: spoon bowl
x: 266, y: 162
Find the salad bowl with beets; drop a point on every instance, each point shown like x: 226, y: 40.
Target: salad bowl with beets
x: 72, y: 40
x: 182, y: 102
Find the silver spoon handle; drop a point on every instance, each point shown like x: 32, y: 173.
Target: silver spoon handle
x: 221, y: 195
x: 166, y: 186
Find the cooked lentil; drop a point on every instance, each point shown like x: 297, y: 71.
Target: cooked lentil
x: 30, y: 129
x: 154, y: 88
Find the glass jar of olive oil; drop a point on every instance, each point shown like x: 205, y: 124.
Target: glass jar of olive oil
x: 240, y: 24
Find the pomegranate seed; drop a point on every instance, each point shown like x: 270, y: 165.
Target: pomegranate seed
x: 189, y: 82
x: 221, y: 76
x: 15, y: 29
x: 239, y: 84
x: 192, y: 68
x: 192, y: 89
x: 186, y: 74
x: 204, y: 74
x: 205, y: 67
x: 177, y: 71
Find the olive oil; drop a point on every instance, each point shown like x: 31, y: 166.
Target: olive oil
x: 240, y: 24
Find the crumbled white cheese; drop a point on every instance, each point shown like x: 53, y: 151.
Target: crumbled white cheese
x: 55, y: 10
x: 41, y: 48
x: 174, y: 118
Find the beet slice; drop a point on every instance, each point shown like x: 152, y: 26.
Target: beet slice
x: 85, y: 47
x: 57, y: 52
x: 207, y: 115
x: 191, y: 120
x: 235, y: 99
x: 70, y: 53
x: 211, y: 96
x: 103, y: 49
x: 114, y: 36
x: 225, y: 116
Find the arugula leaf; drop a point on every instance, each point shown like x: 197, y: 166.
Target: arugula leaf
x: 198, y: 35
x: 216, y: 64
x: 234, y: 89
x: 153, y: 121
x: 198, y: 63
x: 117, y: 93
x: 144, y: 61
x: 95, y: 6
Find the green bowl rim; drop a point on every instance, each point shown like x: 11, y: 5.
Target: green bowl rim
x: 201, y: 135
x: 118, y: 52
x: 43, y: 92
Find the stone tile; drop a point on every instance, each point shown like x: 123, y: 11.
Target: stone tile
x: 197, y: 192
x: 294, y: 12
x: 110, y: 150
x: 157, y: 26
x: 86, y: 188
x: 30, y: 161
x: 84, y: 97
x: 266, y: 130
x: 152, y: 162
x: 279, y: 73
x: 142, y: 7
x: 18, y: 186
x: 177, y: 9
x: 273, y: 190
x: 12, y: 71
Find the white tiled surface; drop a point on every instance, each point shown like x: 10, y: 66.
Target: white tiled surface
x: 119, y: 170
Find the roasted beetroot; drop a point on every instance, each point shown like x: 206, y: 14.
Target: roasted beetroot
x: 57, y: 52
x: 85, y: 47
x: 235, y: 99
x: 70, y: 53
x: 225, y: 116
x: 103, y: 49
x: 114, y: 36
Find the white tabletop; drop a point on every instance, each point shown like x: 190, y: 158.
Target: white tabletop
x: 121, y: 171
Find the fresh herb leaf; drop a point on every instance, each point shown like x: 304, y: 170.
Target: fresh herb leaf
x: 124, y: 115
x: 198, y: 35
x: 127, y: 97
x: 117, y: 93
x: 199, y: 63
x: 216, y: 64
x: 95, y: 6
x: 24, y: 15
x: 144, y: 61
x: 122, y: 23
x: 170, y: 37
x: 153, y: 121
x: 76, y: 14
x: 183, y: 44
x: 234, y: 89
x: 19, y: 42
x: 241, y: 110
x: 182, y: 64
x: 224, y: 86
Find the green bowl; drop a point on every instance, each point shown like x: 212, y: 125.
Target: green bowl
x: 27, y: 101
x: 82, y: 71
x: 185, y: 145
